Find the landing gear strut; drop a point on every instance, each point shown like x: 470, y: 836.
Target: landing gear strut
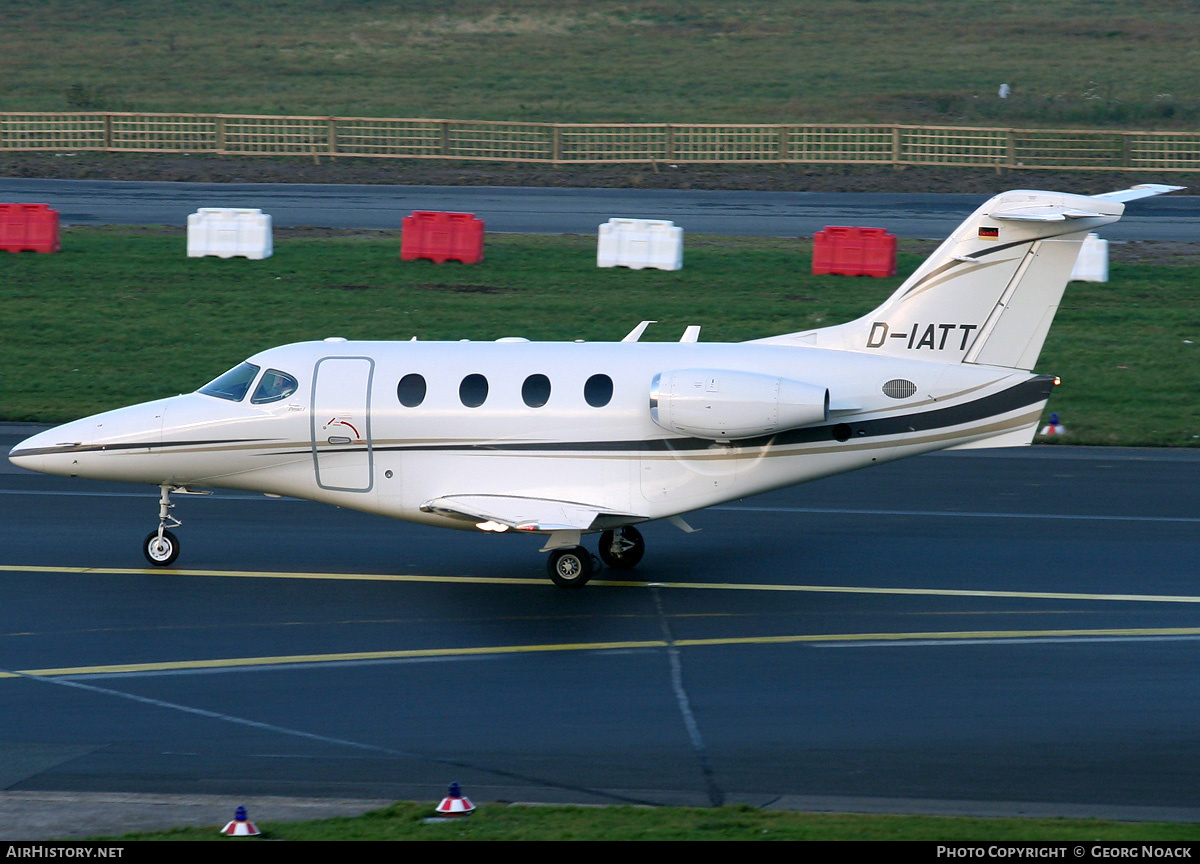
x: 161, y: 547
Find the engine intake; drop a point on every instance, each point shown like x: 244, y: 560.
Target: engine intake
x: 719, y: 404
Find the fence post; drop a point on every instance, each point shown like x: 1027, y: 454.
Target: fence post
x: 783, y: 143
x: 445, y: 151
x: 1126, y: 149
x: 556, y: 143
x: 670, y: 144
x: 1010, y: 148
x: 896, y: 147
x: 219, y: 132
x: 107, y: 131
x: 331, y: 134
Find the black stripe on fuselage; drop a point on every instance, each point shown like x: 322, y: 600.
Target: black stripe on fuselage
x: 1018, y: 396
x: 132, y: 445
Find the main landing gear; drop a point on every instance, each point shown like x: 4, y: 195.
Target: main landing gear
x: 572, y: 566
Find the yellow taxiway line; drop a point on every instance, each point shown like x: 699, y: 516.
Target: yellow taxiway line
x: 809, y: 638
x: 610, y: 583
x: 818, y: 638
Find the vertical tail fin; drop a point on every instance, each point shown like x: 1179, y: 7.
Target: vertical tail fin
x: 988, y: 294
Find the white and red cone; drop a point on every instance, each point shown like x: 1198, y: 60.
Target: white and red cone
x: 1054, y: 427
x: 455, y: 803
x: 240, y: 826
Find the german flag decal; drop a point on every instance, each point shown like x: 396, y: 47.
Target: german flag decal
x: 989, y: 233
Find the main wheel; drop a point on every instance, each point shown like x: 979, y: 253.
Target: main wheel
x: 622, y: 548
x: 161, y: 551
x: 571, y: 567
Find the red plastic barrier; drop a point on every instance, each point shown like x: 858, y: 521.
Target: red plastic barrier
x: 28, y: 227
x: 442, y: 237
x: 854, y: 252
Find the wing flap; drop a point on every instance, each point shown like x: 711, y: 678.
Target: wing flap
x: 529, y: 514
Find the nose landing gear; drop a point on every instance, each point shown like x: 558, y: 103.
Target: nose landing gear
x: 161, y: 547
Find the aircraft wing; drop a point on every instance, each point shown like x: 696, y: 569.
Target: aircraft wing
x: 529, y: 514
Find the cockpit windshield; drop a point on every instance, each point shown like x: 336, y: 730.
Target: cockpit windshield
x: 233, y: 384
x: 275, y: 385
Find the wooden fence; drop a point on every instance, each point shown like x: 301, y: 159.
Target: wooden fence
x: 581, y: 143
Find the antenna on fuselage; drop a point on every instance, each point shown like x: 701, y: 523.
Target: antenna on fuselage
x: 636, y: 333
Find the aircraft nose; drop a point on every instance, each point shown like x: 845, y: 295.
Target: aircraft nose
x: 52, y: 451
x: 24, y: 455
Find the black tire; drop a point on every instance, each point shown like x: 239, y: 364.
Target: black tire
x: 161, y: 554
x: 623, y: 548
x: 571, y: 567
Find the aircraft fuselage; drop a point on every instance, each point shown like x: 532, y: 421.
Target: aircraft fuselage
x: 344, y: 436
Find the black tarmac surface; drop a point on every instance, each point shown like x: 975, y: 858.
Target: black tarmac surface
x: 985, y: 632
x: 559, y: 210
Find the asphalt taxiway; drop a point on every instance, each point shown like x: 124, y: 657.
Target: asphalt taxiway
x: 981, y: 631
x: 560, y: 210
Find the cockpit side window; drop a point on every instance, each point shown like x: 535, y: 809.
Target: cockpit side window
x: 233, y: 384
x: 275, y: 385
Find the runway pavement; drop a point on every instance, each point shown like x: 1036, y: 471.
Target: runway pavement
x: 984, y: 631
x: 559, y: 211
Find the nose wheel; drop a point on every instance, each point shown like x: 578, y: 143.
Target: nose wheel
x: 161, y: 548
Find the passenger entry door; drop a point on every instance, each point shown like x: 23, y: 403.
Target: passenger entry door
x: 341, y: 423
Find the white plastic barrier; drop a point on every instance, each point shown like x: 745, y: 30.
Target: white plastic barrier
x: 227, y: 232
x: 1092, y: 263
x: 638, y: 243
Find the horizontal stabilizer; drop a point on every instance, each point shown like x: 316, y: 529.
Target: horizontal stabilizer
x: 529, y: 514
x: 1043, y: 214
x: 1142, y: 190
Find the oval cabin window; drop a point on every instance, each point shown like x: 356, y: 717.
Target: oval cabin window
x: 411, y: 390
x: 473, y: 391
x: 598, y: 391
x: 536, y: 391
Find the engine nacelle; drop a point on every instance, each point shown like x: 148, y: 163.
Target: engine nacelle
x: 722, y: 405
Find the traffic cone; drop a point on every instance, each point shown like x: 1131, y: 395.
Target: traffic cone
x: 1054, y: 427
x: 240, y: 826
x: 455, y: 803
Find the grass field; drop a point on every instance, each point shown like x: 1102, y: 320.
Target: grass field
x: 1102, y: 63
x: 405, y: 821
x: 122, y: 316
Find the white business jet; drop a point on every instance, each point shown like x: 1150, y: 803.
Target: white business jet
x: 570, y: 438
